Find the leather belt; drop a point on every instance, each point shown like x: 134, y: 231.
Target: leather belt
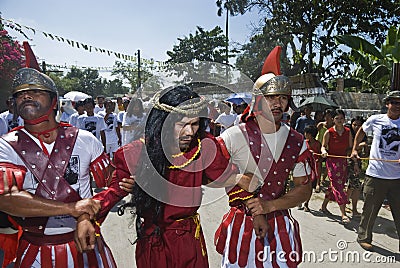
x: 43, y: 240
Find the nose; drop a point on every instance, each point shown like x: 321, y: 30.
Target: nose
x: 25, y: 95
x: 187, y: 130
x: 276, y: 101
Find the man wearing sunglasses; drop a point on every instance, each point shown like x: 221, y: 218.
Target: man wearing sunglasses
x: 382, y: 178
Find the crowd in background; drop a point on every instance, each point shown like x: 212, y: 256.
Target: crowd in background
x: 116, y: 122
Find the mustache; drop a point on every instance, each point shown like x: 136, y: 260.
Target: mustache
x: 29, y: 102
x: 277, y: 109
x: 183, y: 138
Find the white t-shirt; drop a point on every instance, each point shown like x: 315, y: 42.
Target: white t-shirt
x: 87, y: 148
x: 94, y: 124
x: 73, y: 120
x: 239, y: 150
x: 226, y: 120
x: 112, y: 124
x: 8, y: 117
x: 129, y: 123
x: 65, y: 117
x: 3, y: 127
x: 98, y: 109
x: 385, y: 145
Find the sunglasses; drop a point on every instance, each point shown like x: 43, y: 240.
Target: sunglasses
x: 394, y: 102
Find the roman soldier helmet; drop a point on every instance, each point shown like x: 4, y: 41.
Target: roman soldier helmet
x: 271, y: 81
x: 30, y: 78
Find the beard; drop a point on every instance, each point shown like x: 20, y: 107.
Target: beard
x: 30, y: 110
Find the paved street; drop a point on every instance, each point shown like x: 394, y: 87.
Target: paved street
x: 319, y: 233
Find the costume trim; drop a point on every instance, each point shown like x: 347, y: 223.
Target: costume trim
x: 190, y: 159
x: 101, y: 172
x: 196, y: 220
x: 11, y: 171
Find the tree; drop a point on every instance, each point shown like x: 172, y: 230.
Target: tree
x: 232, y: 8
x: 373, y: 65
x: 11, y: 59
x: 114, y: 87
x: 87, y: 81
x: 201, y: 46
x: 306, y: 30
x: 128, y: 71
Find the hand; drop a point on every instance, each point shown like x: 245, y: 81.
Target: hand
x: 88, y: 206
x: 85, y: 235
x: 258, y: 206
x: 324, y: 154
x: 354, y: 155
x: 127, y: 184
x: 260, y: 225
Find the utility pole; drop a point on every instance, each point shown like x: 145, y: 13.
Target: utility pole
x: 226, y: 36
x: 139, y: 82
x: 227, y: 44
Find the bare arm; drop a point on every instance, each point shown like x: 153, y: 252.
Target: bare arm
x: 325, y: 142
x: 349, y: 150
x: 247, y: 182
x: 357, y: 140
x: 103, y: 139
x: 301, y: 193
x: 23, y: 204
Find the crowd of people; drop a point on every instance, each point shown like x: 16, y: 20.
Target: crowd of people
x: 160, y: 156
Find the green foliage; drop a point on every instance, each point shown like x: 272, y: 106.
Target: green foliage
x: 87, y: 81
x: 201, y: 46
x: 128, y: 71
x: 373, y: 65
x: 233, y: 7
x: 306, y: 31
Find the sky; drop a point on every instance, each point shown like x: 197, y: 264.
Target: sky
x: 123, y: 26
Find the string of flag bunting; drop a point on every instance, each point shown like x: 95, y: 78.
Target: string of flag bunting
x: 68, y: 67
x: 19, y: 27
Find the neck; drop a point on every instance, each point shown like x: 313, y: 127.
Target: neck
x: 393, y: 116
x: 267, y: 126
x: 338, y: 128
x: 43, y: 127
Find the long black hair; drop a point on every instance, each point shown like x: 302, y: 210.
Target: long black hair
x: 158, y: 132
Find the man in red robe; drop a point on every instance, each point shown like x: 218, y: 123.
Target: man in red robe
x: 170, y: 164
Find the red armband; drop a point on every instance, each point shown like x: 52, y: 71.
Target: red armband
x: 12, y: 175
x: 100, y: 169
x: 237, y: 195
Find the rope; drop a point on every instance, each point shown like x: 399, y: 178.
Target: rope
x: 360, y: 158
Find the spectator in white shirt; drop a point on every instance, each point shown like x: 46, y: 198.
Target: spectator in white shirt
x: 92, y: 122
x: 80, y: 108
x: 10, y: 116
x: 226, y: 119
x: 99, y: 107
x: 132, y: 120
x: 113, y: 134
